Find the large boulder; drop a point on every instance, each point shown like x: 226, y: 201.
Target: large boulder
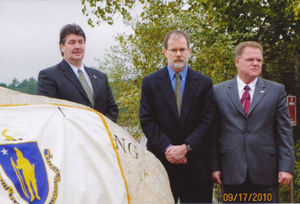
x: 146, y: 177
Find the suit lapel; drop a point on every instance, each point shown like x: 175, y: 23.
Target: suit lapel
x: 70, y: 75
x: 165, y: 85
x: 259, y: 93
x: 233, y: 94
x: 190, y: 88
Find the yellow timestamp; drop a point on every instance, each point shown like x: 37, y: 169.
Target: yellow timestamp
x: 247, y: 197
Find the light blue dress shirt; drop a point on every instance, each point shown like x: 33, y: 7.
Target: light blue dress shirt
x: 183, y: 75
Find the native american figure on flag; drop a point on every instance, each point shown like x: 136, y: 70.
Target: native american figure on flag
x: 28, y: 175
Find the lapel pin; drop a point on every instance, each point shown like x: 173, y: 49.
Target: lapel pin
x: 262, y: 92
x: 94, y: 77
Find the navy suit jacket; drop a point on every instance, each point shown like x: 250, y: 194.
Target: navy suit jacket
x: 61, y: 82
x: 261, y: 143
x: 162, y: 125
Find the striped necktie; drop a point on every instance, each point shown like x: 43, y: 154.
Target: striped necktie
x: 86, y: 87
x: 178, y: 91
x: 245, y: 100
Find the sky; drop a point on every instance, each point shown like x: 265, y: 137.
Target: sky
x: 29, y: 36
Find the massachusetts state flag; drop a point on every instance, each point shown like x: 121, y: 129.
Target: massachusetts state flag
x: 58, y: 154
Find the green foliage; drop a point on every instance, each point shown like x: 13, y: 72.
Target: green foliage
x: 297, y: 182
x: 106, y: 10
x: 26, y: 86
x: 285, y: 190
x: 3, y: 85
x: 126, y: 82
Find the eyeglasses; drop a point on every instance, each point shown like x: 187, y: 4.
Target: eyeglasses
x: 175, y: 51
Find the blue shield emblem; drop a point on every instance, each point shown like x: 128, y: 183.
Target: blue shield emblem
x: 24, y: 165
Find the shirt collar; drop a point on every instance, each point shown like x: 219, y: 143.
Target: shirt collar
x: 241, y: 84
x: 182, y: 73
x: 75, y: 69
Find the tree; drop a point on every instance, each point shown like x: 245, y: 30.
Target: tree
x: 26, y: 86
x: 14, y: 84
x: 104, y: 11
x: 3, y: 84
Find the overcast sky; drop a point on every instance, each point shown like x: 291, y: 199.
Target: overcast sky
x: 29, y: 35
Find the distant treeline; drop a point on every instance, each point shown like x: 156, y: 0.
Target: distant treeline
x: 26, y: 86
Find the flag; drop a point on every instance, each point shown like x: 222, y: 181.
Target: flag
x: 53, y: 153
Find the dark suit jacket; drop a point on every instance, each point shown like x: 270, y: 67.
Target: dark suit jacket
x: 61, y: 82
x: 261, y: 143
x: 162, y: 125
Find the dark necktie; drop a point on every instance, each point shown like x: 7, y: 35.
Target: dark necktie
x: 86, y: 87
x: 245, y: 100
x: 178, y: 91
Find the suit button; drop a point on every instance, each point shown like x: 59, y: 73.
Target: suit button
x: 246, y: 133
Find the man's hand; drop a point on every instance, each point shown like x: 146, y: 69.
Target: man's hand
x: 284, y: 178
x: 216, y: 176
x: 175, y: 154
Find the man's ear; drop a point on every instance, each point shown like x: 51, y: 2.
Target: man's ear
x: 165, y: 51
x: 236, y: 61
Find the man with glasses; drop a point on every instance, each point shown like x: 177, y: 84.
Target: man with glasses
x: 176, y: 113
x: 253, y: 145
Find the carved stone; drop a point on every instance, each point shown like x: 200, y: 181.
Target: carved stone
x: 146, y: 177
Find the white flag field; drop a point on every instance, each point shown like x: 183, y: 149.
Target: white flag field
x: 52, y: 153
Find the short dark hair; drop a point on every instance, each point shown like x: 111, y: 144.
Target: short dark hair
x: 176, y: 32
x: 70, y: 29
x: 240, y: 48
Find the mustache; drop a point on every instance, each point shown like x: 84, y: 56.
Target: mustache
x: 179, y: 59
x: 77, y: 51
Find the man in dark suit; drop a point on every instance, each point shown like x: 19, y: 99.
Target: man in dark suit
x: 253, y: 149
x: 176, y: 116
x: 72, y: 81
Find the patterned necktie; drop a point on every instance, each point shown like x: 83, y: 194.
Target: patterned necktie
x: 178, y: 91
x: 245, y: 100
x: 86, y: 87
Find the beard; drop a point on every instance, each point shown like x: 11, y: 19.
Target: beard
x: 178, y: 63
